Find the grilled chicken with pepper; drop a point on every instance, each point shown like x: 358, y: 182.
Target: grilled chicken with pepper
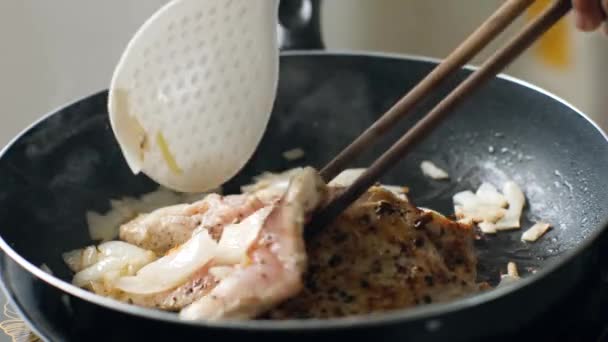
x: 383, y: 254
x: 244, y: 256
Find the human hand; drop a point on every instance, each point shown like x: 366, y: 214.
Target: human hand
x: 590, y: 14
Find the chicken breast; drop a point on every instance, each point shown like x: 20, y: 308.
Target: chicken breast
x: 383, y: 254
x: 166, y: 228
x: 245, y: 256
x: 270, y: 273
x: 277, y: 261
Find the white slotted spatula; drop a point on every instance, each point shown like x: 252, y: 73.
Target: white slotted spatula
x: 192, y: 94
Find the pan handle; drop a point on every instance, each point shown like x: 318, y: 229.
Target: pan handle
x: 300, y: 25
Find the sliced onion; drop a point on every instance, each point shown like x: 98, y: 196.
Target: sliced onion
x: 105, y: 227
x: 80, y: 259
x: 480, y: 213
x: 512, y: 270
x: 237, y: 238
x: 535, y: 232
x: 431, y: 170
x: 221, y: 272
x: 114, y: 256
x: 511, y: 276
x: 346, y: 177
x: 173, y: 269
x: 96, y: 272
x: 465, y: 198
x: 269, y: 186
x: 294, y: 154
x: 487, y: 227
x: 125, y: 251
x: 488, y: 194
x: 516, y: 199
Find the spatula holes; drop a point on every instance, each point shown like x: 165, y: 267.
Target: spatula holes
x: 194, y: 129
x: 212, y: 89
x: 190, y: 65
x: 221, y: 119
x: 207, y: 74
x: 212, y: 11
x: 200, y: 44
x: 227, y: 84
x: 170, y: 39
x: 180, y: 84
x: 176, y: 70
x: 194, y: 80
x: 203, y: 60
x: 185, y: 20
x: 162, y: 75
x: 198, y: 16
x: 185, y: 99
x: 166, y: 90
x: 246, y: 93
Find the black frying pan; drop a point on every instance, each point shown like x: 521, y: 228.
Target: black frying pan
x: 69, y: 163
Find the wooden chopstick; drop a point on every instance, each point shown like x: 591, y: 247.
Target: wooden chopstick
x: 481, y: 37
x: 497, y: 62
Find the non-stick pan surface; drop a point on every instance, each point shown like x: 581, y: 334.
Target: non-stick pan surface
x: 69, y: 163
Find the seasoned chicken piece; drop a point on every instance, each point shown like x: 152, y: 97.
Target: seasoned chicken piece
x: 276, y: 261
x: 165, y: 228
x: 270, y: 272
x: 383, y: 254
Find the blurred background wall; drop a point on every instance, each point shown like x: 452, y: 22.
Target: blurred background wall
x: 53, y: 52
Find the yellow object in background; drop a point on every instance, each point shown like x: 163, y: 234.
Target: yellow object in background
x: 555, y: 47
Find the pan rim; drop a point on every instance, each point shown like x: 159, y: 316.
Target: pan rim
x: 430, y: 312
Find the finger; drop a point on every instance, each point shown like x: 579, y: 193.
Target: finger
x: 605, y: 10
x: 589, y: 14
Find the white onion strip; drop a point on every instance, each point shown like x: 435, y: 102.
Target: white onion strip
x: 173, y: 269
x: 535, y: 232
x: 516, y: 199
x: 431, y: 170
x: 237, y: 238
